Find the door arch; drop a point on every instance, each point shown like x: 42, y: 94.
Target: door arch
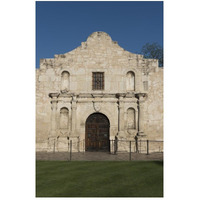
x: 97, y: 133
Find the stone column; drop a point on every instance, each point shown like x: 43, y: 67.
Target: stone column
x: 53, y: 136
x: 74, y: 135
x: 136, y: 119
x: 121, y: 117
x: 74, y: 106
x: 54, y: 102
x: 141, y: 115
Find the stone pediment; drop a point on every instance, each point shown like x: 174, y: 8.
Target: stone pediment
x: 97, y: 52
x: 99, y: 46
x: 100, y: 38
x: 97, y: 42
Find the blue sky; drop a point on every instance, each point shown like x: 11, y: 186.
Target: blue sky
x: 62, y: 26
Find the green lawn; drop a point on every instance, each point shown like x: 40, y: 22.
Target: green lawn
x: 99, y: 179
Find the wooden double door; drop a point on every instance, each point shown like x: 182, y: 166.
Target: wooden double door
x: 97, y: 133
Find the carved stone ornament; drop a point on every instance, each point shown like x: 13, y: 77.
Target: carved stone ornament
x: 97, y: 106
x: 64, y: 131
x: 64, y: 91
x: 131, y: 131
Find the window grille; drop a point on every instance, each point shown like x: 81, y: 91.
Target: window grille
x: 98, y: 81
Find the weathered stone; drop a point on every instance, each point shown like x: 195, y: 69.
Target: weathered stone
x: 132, y: 98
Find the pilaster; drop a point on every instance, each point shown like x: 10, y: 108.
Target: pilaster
x: 121, y: 115
x: 54, y: 102
x: 74, y: 107
x: 52, y: 140
x: 142, y: 97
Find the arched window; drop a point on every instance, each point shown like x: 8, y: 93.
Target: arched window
x: 130, y: 81
x: 65, y: 81
x: 131, y: 122
x: 64, y: 118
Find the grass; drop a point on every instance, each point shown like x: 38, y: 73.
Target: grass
x: 99, y: 179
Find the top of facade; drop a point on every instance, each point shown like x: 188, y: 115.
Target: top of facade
x: 99, y: 48
x: 99, y: 35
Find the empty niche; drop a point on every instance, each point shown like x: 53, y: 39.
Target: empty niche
x: 64, y: 118
x: 65, y: 81
x: 130, y: 81
x: 131, y: 122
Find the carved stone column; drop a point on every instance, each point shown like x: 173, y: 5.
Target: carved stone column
x: 54, y: 102
x: 121, y: 116
x: 141, y: 114
x: 74, y: 106
x: 73, y: 137
x: 53, y: 135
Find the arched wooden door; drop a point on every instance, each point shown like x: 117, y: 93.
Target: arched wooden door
x: 97, y: 133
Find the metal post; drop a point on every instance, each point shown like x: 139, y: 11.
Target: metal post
x: 147, y: 147
x: 70, y: 155
x: 78, y: 143
x: 130, y: 151
x: 113, y: 146
x: 110, y: 142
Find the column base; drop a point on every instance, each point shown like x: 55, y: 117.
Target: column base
x: 75, y: 143
x: 112, y: 144
x: 121, y: 134
x: 63, y: 144
x: 52, y: 144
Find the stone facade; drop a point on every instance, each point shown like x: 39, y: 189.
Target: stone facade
x: 132, y: 97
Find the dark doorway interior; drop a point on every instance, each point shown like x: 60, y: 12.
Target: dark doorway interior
x: 97, y: 133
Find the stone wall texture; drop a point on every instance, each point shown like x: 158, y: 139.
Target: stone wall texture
x: 65, y: 81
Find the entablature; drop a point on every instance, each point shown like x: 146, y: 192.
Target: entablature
x: 130, y: 97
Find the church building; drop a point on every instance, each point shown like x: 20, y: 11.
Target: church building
x: 95, y: 94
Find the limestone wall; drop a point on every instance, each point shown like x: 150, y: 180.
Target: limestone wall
x: 153, y: 118
x: 98, y: 54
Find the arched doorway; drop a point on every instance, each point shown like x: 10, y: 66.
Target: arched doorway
x: 97, y: 133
